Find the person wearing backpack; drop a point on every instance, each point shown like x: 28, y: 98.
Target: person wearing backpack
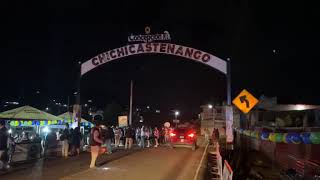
x: 95, y: 143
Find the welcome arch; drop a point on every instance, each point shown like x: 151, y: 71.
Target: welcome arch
x: 164, y: 48
x: 155, y: 48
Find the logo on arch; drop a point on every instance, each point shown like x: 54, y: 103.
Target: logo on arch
x: 147, y: 37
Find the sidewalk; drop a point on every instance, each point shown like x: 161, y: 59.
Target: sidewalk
x: 55, y: 168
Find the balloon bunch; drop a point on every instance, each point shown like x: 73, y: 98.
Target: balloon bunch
x: 289, y: 138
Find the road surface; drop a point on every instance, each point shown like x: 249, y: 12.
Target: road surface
x: 156, y: 163
x: 160, y: 163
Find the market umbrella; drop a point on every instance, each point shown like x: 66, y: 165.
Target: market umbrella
x: 28, y: 113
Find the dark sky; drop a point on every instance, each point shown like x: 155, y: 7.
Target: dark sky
x: 41, y: 43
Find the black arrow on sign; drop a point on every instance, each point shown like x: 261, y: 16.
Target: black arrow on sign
x: 244, y: 99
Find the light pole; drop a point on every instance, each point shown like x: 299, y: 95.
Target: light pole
x: 176, y: 113
x: 210, y: 106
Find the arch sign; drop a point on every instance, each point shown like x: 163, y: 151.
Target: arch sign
x: 148, y: 46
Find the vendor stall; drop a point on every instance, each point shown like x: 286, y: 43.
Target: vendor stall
x: 30, y: 127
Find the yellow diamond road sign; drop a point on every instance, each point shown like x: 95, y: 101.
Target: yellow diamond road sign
x: 245, y: 101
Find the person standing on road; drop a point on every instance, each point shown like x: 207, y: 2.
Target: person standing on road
x: 156, y: 134
x: 112, y: 135
x: 162, y: 133
x: 11, y: 148
x: 76, y: 139
x: 70, y: 141
x: 117, y: 136
x: 108, y: 139
x: 142, y: 136
x: 138, y: 133
x: 65, y: 141
x: 129, y: 138
x: 147, y: 134
x: 3, y: 142
x: 166, y: 135
x: 95, y: 143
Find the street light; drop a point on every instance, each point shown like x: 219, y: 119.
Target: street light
x: 211, y: 107
x: 176, y: 113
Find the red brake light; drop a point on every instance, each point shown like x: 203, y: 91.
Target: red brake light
x: 191, y: 135
x: 172, y: 134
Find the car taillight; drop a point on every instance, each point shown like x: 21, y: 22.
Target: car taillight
x: 172, y: 134
x: 191, y: 135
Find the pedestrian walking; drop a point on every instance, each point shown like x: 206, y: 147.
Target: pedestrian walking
x: 95, y: 143
x: 65, y: 141
x: 156, y: 134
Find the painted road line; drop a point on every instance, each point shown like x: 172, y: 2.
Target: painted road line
x: 201, y: 161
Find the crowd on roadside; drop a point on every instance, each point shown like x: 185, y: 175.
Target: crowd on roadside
x: 105, y: 139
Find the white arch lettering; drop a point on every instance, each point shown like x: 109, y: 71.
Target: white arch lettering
x: 161, y: 48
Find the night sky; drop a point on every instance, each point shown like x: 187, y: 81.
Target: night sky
x: 273, y: 48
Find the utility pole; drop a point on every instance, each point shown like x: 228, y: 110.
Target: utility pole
x: 228, y: 82
x: 131, y: 96
x: 78, y: 105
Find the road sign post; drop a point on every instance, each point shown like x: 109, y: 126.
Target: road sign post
x: 245, y: 101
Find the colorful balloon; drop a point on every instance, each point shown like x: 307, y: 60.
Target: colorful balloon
x: 246, y: 132
x: 265, y: 135
x: 252, y: 134
x: 315, y: 137
x: 278, y: 137
x: 305, y: 137
x: 295, y: 138
x: 272, y: 137
x: 286, y: 138
x: 257, y: 135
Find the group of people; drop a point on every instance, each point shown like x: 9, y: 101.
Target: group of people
x: 103, y: 140
x: 71, y: 141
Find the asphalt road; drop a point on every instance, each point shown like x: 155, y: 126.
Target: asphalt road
x: 160, y: 163
x: 56, y: 168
